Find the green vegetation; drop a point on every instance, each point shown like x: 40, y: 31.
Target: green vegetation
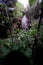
x: 19, y: 7
x: 32, y: 2
x: 21, y: 40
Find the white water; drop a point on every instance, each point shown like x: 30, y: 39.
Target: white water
x: 25, y: 3
x: 24, y: 22
x: 39, y: 1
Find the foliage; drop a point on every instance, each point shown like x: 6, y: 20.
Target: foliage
x: 41, y: 35
x: 19, y: 7
x: 32, y: 2
x: 22, y: 40
x: 19, y: 14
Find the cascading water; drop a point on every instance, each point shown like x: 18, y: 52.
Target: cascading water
x: 25, y: 4
x: 24, y: 23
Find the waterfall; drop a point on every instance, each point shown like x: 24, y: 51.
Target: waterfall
x: 24, y: 22
x: 25, y: 3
